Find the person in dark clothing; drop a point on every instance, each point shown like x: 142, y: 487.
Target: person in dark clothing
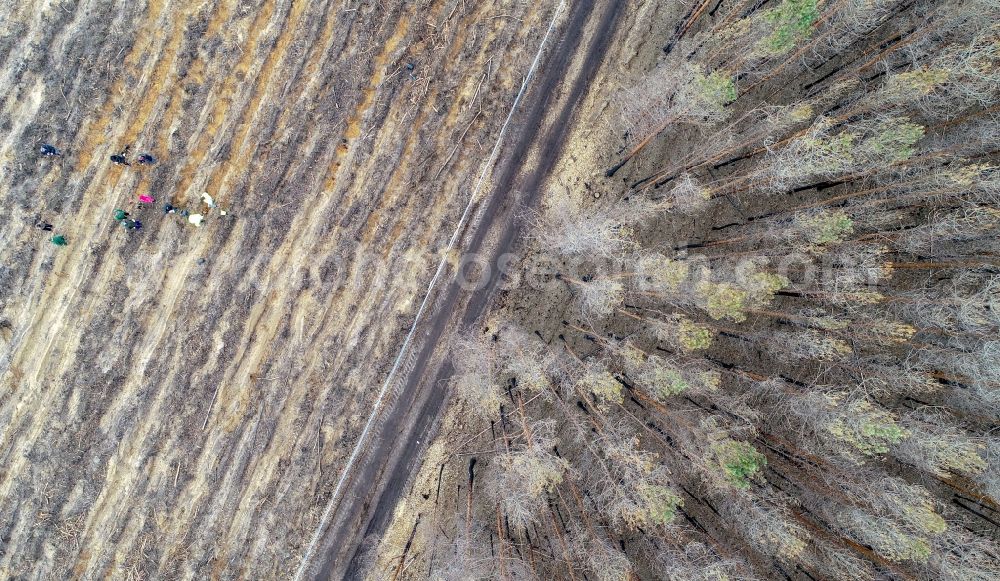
x: 168, y: 209
x: 145, y: 159
x: 48, y: 150
x: 43, y: 225
x: 119, y: 159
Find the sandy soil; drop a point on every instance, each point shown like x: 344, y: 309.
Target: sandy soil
x: 176, y: 402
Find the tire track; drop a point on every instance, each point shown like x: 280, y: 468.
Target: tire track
x: 362, y: 442
x: 512, y: 177
x: 131, y: 335
x: 395, y: 470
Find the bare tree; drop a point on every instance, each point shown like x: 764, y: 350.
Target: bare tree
x: 599, y: 557
x: 568, y: 228
x: 476, y: 373
x: 961, y: 556
x: 936, y: 446
x: 697, y: 562
x: 525, y: 358
x: 767, y: 525
x: 519, y: 479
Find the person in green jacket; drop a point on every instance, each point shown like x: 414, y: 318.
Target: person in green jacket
x: 59, y: 240
x: 120, y: 215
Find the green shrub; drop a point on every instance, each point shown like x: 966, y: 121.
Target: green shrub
x: 693, y: 337
x: 660, y: 503
x: 723, y: 300
x: 716, y: 88
x: 604, y: 386
x: 894, y: 139
x: 671, y: 383
x: 826, y: 228
x: 765, y: 284
x: 830, y: 154
x: 791, y: 20
x: 916, y: 83
x: 867, y: 429
x: 664, y: 274
x: 740, y: 462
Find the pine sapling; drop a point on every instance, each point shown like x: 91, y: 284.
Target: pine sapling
x: 681, y: 333
x: 823, y: 227
x: 732, y: 300
x: 659, y: 274
x: 739, y: 462
x: 863, y: 426
x: 605, y: 389
x: 790, y: 21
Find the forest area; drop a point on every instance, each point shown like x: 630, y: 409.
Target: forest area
x: 756, y: 330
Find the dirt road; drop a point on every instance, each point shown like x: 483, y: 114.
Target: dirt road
x: 406, y: 425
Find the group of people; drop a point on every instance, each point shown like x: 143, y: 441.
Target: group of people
x: 57, y: 239
x: 142, y: 159
x: 121, y: 216
x: 49, y: 150
x: 124, y: 218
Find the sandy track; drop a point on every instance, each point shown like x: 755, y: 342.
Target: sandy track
x: 172, y: 419
x: 407, y: 425
x: 404, y: 363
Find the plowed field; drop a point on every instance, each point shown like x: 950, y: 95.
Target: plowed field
x: 177, y: 401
